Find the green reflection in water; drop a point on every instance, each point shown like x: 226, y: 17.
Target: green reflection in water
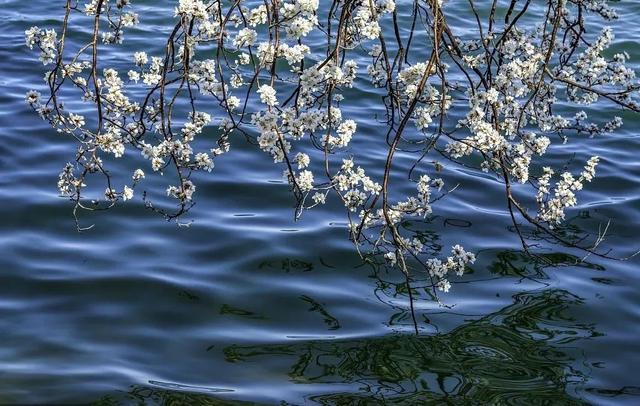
x: 519, y: 264
x: 527, y: 353
x: 145, y: 395
x: 517, y: 355
x: 236, y: 311
x: 329, y: 320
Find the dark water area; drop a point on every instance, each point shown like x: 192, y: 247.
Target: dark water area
x: 248, y: 305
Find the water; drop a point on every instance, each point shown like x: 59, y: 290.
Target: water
x: 248, y: 305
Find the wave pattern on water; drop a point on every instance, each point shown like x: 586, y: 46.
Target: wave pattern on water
x: 248, y: 305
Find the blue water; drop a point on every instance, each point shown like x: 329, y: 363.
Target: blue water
x: 248, y: 305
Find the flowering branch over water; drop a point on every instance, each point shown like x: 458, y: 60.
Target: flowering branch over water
x: 276, y: 72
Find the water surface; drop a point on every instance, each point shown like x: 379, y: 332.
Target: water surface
x: 247, y: 305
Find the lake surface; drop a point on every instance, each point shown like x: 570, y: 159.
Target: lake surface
x: 247, y: 305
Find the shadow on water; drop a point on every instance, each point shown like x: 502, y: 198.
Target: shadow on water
x: 521, y: 354
x: 528, y: 352
x: 155, y: 396
x: 515, y: 355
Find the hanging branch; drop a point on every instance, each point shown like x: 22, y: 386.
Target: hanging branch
x: 269, y: 82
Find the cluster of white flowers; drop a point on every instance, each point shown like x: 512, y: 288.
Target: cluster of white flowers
x: 552, y: 210
x: 183, y: 192
x: 304, y: 180
x: 269, y: 138
x: 302, y: 160
x: 355, y: 185
x: 268, y: 95
x: 293, y: 54
x: 299, y: 17
x: 45, y: 40
x: 67, y: 182
x: 192, y: 9
x: 366, y: 23
x: 456, y: 263
x: 414, y: 206
x: 204, y: 74
x: 197, y: 121
x: 245, y: 37
x: 345, y: 132
x: 601, y: 7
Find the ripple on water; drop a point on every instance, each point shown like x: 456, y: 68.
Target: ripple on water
x: 247, y: 304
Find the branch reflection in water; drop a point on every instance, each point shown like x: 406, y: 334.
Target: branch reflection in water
x: 525, y: 353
